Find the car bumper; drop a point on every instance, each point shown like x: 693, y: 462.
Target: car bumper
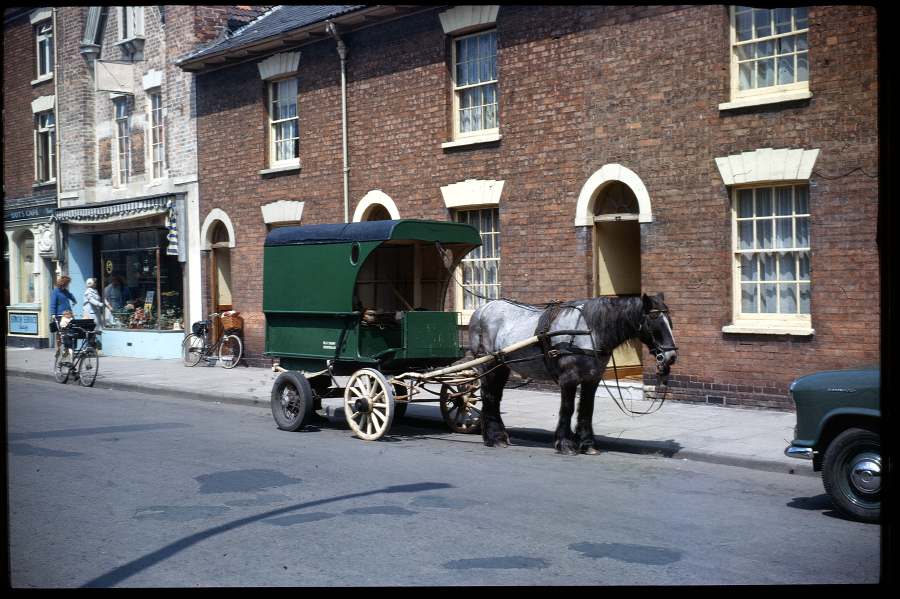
x: 802, y: 453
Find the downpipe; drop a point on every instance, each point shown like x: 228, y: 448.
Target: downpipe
x: 342, y: 53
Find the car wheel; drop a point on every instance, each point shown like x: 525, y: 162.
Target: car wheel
x: 851, y: 473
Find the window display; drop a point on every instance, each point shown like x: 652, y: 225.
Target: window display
x: 142, y: 284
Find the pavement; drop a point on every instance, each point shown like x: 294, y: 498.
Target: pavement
x: 742, y: 437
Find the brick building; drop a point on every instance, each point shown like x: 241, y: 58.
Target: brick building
x: 126, y: 155
x: 723, y: 155
x: 29, y: 173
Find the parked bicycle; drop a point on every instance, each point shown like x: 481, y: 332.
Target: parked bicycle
x: 81, y: 362
x: 227, y: 350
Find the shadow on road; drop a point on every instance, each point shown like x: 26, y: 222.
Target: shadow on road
x: 142, y: 563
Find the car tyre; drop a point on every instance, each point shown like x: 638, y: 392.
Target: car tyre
x: 851, y: 473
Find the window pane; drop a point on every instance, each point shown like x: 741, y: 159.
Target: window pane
x: 804, y: 266
x: 745, y: 234
x: 745, y: 52
x: 802, y: 200
x: 768, y: 298
x: 782, y: 20
x: 804, y: 298
x: 800, y: 21
x: 802, y: 67
x: 783, y: 201
x: 787, y: 265
x: 762, y: 19
x: 788, y: 299
x: 764, y: 202
x: 765, y: 49
x: 743, y: 23
x: 786, y: 44
x: 803, y: 232
x: 748, y: 268
x: 765, y: 73
x: 768, y: 267
x: 745, y: 75
x: 749, y: 298
x: 745, y: 203
x: 786, y: 70
x: 785, y: 227
x: 801, y: 42
x: 764, y: 234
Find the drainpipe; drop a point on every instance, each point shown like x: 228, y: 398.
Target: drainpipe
x: 342, y: 53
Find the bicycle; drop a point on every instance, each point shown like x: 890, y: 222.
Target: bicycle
x: 81, y: 363
x: 196, y: 346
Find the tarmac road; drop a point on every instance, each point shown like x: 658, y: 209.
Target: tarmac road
x: 114, y: 488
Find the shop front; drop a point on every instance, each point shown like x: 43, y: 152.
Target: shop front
x: 30, y: 244
x: 132, y: 250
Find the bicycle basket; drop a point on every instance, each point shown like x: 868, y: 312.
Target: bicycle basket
x: 231, y: 321
x: 79, y: 327
x: 200, y: 327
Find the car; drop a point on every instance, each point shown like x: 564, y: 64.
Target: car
x: 839, y: 429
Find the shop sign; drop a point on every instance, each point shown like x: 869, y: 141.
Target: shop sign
x: 29, y: 213
x: 23, y: 323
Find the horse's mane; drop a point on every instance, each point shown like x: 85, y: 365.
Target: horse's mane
x: 612, y: 319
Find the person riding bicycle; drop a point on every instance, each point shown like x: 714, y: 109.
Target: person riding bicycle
x: 68, y: 342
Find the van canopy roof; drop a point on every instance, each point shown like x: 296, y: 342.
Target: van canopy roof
x: 378, y: 230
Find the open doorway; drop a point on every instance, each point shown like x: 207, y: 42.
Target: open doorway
x: 617, y: 263
x: 219, y: 273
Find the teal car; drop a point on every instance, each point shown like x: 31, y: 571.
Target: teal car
x: 839, y: 429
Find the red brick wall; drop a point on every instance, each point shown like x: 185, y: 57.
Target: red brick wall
x: 582, y: 87
x: 18, y: 119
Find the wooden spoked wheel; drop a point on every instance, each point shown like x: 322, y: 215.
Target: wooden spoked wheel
x: 369, y: 404
x: 458, y: 407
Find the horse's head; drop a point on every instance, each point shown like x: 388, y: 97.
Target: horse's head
x: 656, y: 333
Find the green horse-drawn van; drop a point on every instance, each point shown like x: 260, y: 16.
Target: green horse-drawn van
x: 364, y: 301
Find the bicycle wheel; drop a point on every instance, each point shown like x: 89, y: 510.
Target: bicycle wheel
x: 230, y: 351
x: 60, y: 368
x: 192, y: 349
x: 88, y: 365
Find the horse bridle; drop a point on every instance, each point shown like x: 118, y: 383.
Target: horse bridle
x: 655, y: 348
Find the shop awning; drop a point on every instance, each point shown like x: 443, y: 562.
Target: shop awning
x: 172, y: 206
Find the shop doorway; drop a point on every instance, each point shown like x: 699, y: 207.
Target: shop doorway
x: 617, y: 263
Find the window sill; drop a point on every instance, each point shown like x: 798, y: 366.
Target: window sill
x: 42, y: 79
x: 46, y: 183
x: 277, y: 170
x: 769, y: 329
x: 790, y: 96
x: 471, y: 141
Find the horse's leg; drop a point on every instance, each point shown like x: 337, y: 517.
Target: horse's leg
x: 492, y: 430
x: 563, y: 437
x: 584, y: 430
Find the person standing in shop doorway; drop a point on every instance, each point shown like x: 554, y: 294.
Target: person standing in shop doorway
x: 93, y: 306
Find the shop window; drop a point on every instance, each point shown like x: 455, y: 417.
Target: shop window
x: 25, y: 243
x: 142, y: 284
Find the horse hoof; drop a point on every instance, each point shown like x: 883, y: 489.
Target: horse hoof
x: 590, y: 451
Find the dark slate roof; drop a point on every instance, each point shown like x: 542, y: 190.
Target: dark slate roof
x: 278, y: 20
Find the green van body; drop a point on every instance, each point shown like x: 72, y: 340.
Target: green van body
x: 311, y: 277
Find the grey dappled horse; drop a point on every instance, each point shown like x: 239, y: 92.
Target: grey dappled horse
x: 611, y: 320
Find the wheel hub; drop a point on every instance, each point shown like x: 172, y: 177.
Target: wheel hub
x: 362, y: 405
x: 865, y: 473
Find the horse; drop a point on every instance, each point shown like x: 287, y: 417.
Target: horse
x: 570, y: 360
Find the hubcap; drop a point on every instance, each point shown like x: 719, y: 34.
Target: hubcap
x: 865, y: 473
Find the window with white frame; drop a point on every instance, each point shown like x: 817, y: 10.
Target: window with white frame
x: 475, y: 84
x: 770, y: 51
x: 157, y: 135
x: 123, y: 139
x: 772, y: 253
x: 481, y: 267
x: 131, y: 22
x: 44, y: 44
x: 284, y: 133
x: 45, y: 146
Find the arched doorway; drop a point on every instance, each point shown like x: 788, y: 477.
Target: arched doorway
x: 220, y: 270
x: 377, y: 212
x: 617, y: 259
